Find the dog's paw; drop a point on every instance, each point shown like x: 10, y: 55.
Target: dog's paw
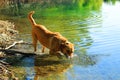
x: 35, y: 52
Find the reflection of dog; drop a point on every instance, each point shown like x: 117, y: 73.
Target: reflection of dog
x: 51, y: 40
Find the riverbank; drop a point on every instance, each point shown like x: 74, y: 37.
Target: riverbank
x: 8, y: 35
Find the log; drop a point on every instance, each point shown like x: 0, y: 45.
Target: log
x: 12, y: 45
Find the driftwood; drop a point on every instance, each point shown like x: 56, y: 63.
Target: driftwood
x: 8, y: 49
x: 16, y: 42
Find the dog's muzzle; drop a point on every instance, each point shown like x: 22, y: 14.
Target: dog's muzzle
x: 69, y: 56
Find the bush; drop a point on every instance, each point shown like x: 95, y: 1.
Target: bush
x: 7, y: 33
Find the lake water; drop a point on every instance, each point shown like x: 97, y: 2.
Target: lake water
x: 95, y: 33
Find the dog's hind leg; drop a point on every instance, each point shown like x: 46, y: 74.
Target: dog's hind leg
x: 34, y: 37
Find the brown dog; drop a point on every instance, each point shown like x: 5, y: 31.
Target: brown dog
x: 51, y: 40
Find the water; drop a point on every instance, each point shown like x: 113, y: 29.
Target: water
x: 95, y: 33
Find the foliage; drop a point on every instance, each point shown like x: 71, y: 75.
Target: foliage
x: 22, y: 7
x: 19, y: 8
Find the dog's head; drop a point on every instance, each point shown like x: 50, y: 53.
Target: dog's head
x: 67, y: 48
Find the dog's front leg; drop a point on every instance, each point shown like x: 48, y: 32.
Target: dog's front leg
x: 56, y: 53
x: 34, y: 38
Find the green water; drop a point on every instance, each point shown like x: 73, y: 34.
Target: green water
x: 93, y: 26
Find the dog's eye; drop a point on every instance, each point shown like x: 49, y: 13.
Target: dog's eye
x: 66, y: 43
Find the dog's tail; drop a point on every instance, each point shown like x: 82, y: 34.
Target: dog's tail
x: 31, y: 18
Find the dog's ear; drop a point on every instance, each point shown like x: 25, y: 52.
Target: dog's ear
x: 62, y: 44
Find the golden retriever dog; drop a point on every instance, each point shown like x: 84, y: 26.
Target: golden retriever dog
x: 54, y: 41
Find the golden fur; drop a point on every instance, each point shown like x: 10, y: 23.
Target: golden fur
x: 54, y: 41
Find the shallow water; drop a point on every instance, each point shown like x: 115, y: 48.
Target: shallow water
x: 95, y: 34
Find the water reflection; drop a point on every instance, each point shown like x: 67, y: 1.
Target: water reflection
x: 81, y: 22
x: 46, y: 65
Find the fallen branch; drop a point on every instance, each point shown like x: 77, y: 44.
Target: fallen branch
x: 16, y: 42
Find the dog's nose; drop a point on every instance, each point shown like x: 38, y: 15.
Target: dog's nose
x: 70, y: 56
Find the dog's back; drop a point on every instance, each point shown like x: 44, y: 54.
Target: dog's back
x: 40, y: 32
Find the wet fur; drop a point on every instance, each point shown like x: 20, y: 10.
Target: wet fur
x: 51, y: 40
